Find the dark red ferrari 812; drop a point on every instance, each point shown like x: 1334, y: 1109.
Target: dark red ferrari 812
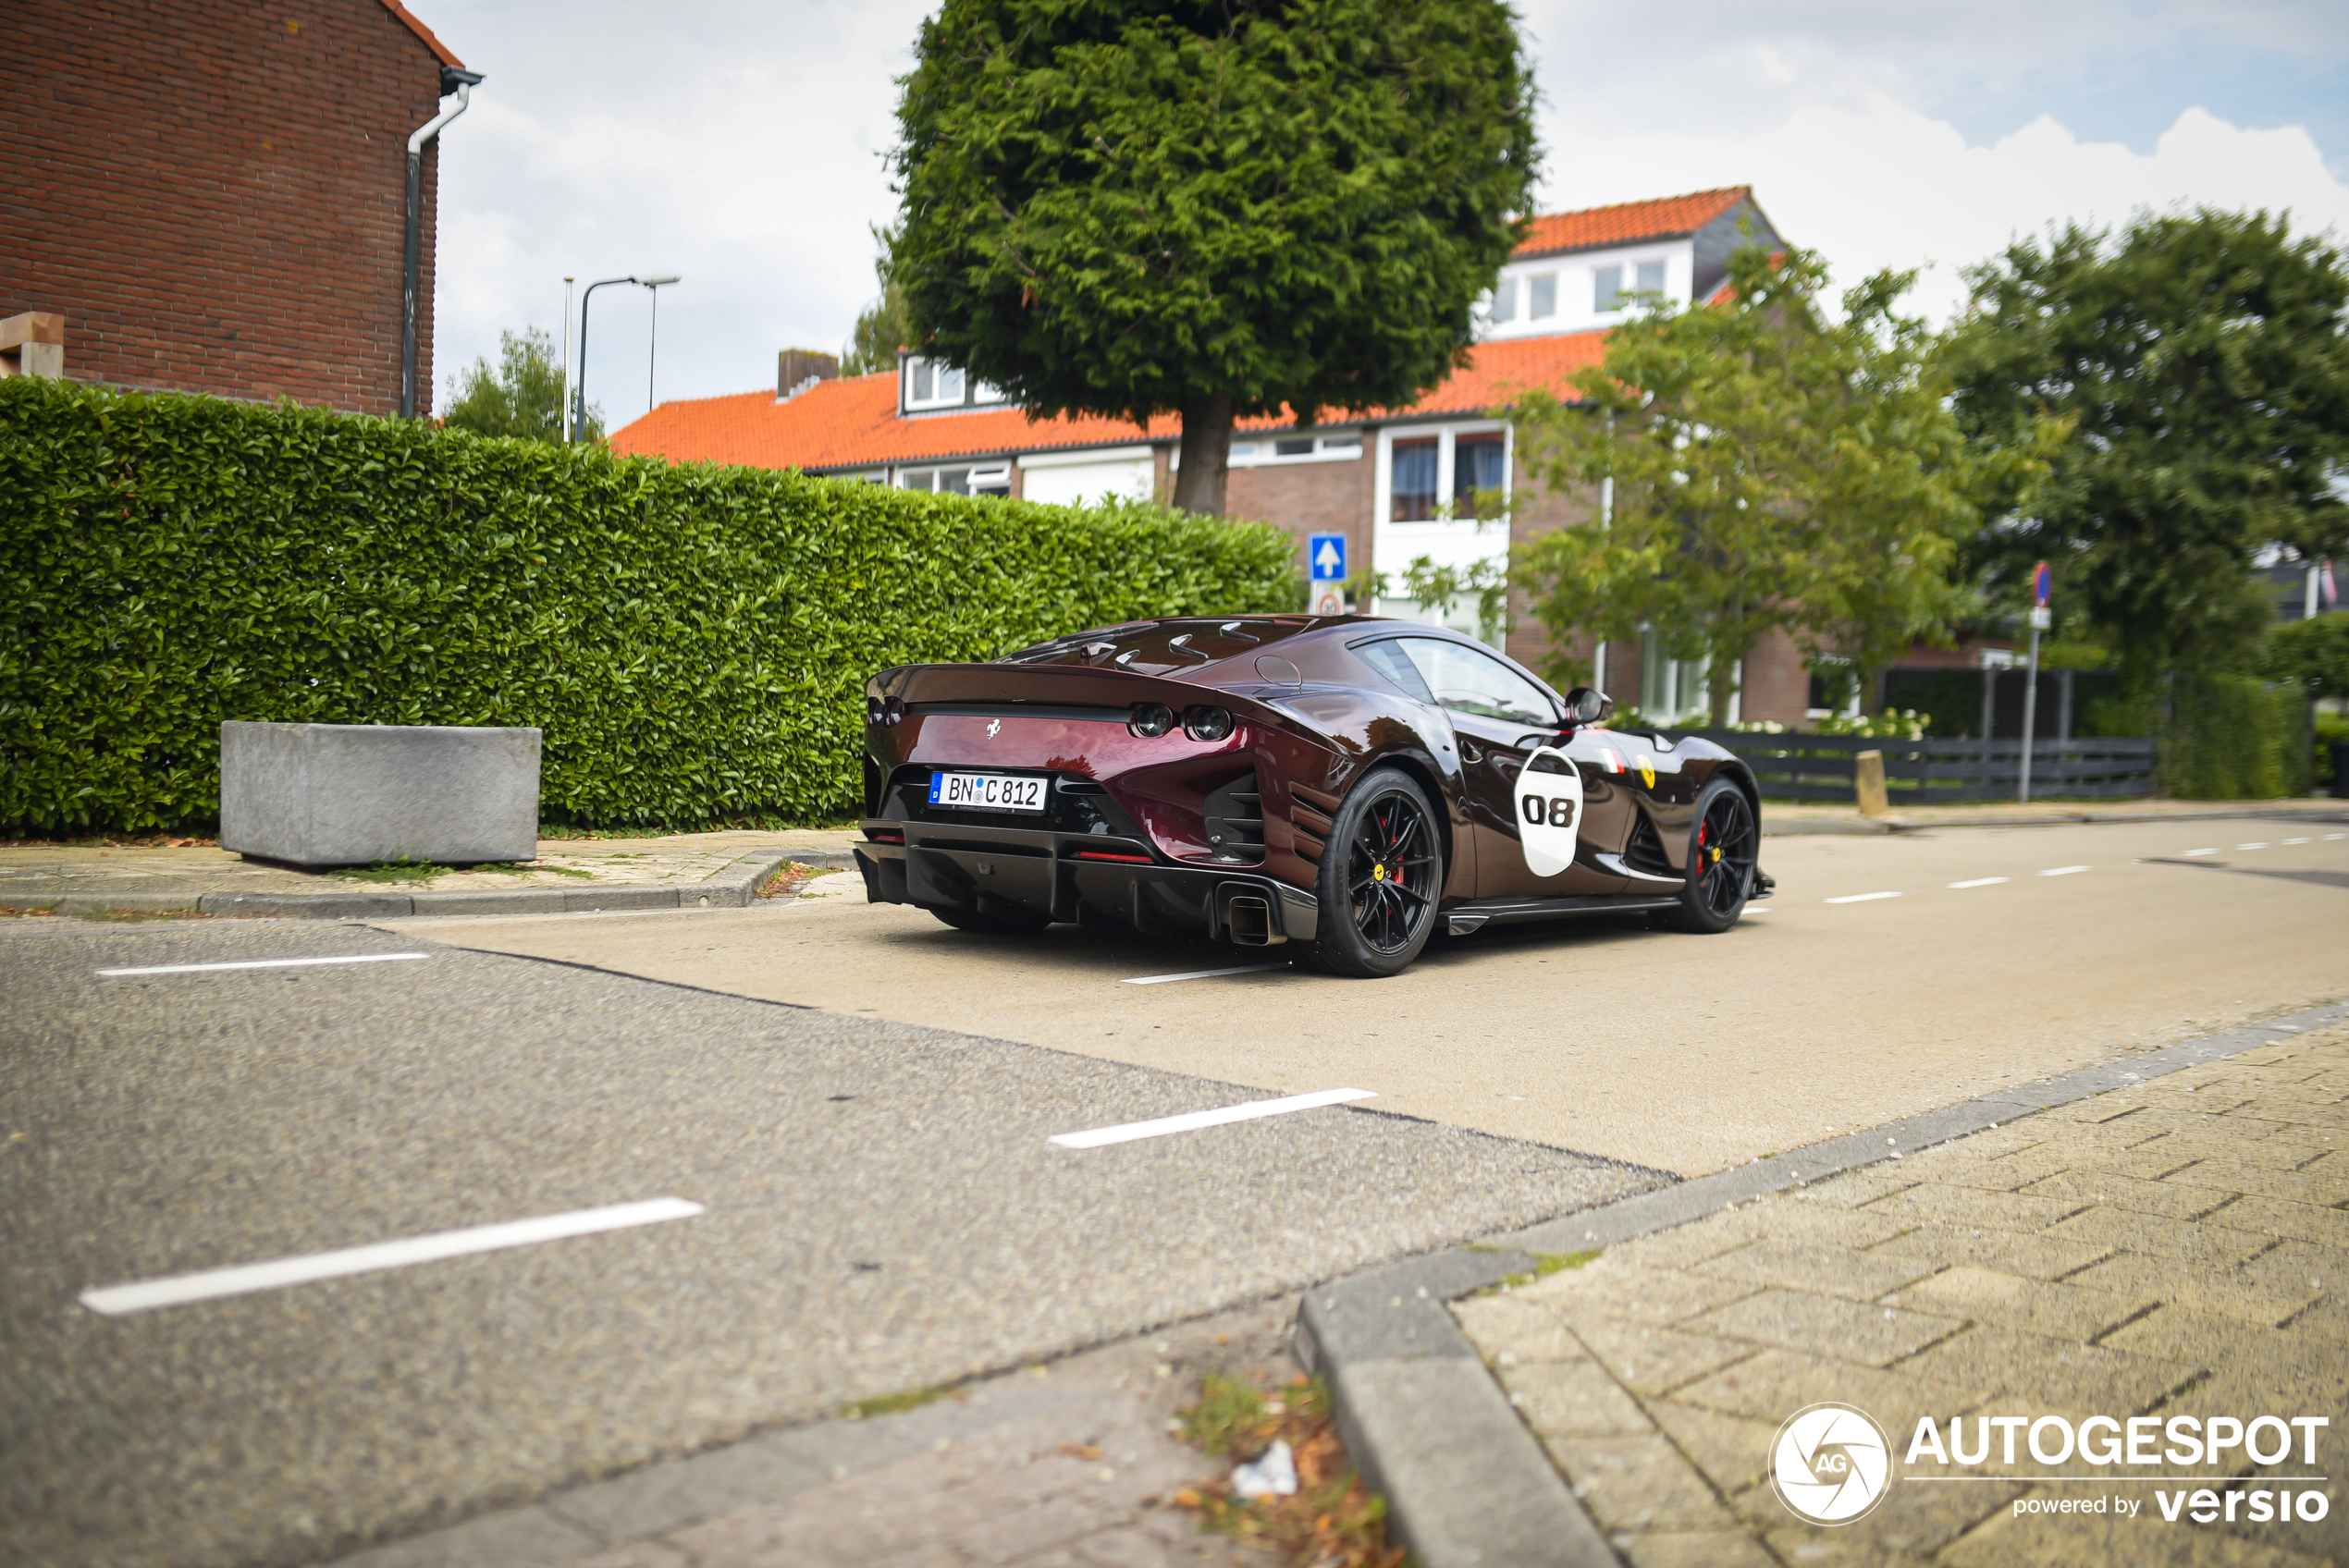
x: 1340, y: 785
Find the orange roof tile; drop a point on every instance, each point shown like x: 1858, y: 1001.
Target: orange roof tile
x: 853, y: 422
x: 1628, y: 222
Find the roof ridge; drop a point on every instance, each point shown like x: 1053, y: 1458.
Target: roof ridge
x: 416, y: 25
x: 1650, y: 201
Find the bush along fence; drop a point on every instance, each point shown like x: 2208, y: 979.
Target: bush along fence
x: 692, y: 639
x: 1798, y: 767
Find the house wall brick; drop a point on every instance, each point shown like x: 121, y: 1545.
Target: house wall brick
x: 1305, y: 498
x: 214, y: 193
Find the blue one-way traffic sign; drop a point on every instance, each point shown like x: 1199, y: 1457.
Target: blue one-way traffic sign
x: 1326, y: 554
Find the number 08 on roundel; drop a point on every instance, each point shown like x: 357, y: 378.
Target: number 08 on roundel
x: 1343, y: 788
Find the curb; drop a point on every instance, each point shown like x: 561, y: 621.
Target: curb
x: 1465, y: 1479
x: 1808, y: 827
x: 733, y: 886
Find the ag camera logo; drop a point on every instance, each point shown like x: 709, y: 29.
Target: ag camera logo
x: 1830, y: 1463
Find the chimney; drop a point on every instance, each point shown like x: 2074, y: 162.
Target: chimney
x: 797, y: 370
x: 33, y: 344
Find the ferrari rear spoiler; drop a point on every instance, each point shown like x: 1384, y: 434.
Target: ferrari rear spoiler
x: 1048, y: 686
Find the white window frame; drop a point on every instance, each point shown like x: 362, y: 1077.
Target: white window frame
x: 990, y: 472
x: 1394, y: 545
x: 1261, y: 448
x: 941, y: 369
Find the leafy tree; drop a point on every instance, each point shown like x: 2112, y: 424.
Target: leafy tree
x: 884, y: 327
x: 2202, y: 364
x: 523, y: 396
x: 1771, y: 468
x: 1142, y: 206
x: 2312, y: 653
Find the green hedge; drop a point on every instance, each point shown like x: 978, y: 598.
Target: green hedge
x: 692, y: 639
x: 2233, y: 738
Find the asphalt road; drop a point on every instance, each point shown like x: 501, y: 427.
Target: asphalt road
x: 859, y: 1100
x: 879, y: 1210
x: 2007, y: 954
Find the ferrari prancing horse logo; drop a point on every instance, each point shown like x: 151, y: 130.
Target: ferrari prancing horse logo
x: 993, y: 726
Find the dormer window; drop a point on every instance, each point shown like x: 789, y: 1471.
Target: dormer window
x: 1505, y: 299
x: 1542, y: 295
x: 931, y: 385
x: 1612, y: 287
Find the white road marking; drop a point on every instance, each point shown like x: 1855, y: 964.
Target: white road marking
x: 2190, y: 853
x: 2330, y: 837
x: 1861, y: 898
x: 2067, y: 870
x: 2296, y: 840
x: 2251, y: 846
x: 175, y: 1290
x: 1757, y: 908
x: 1202, y: 973
x: 263, y: 963
x: 1982, y: 882
x: 1193, y: 1120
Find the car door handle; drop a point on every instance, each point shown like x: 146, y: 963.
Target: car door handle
x: 1471, y: 750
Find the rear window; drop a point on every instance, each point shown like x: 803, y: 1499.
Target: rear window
x: 1164, y: 647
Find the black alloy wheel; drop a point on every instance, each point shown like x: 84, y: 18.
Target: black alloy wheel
x: 1380, y: 880
x: 1724, y: 848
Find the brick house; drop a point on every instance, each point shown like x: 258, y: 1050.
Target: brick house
x: 213, y: 194
x: 1398, y: 483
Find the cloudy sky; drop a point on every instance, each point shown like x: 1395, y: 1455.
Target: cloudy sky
x: 739, y: 145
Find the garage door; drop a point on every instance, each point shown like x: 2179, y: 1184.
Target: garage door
x: 1094, y: 479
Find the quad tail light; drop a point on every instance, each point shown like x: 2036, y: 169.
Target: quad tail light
x: 889, y: 715
x: 1150, y: 720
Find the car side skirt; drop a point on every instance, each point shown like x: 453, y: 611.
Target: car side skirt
x: 1475, y: 914
x: 1072, y: 876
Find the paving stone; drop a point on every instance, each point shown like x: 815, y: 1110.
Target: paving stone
x: 1685, y: 1245
x: 1733, y: 1452
x: 1614, y: 1289
x: 1507, y: 1329
x: 2204, y: 1244
x: 2035, y: 1257
x: 2218, y: 1292
x: 2112, y: 1190
x: 1860, y: 1276
x: 1969, y: 1206
x: 2041, y: 1540
x: 1574, y: 1399
x: 2057, y: 1374
x: 1650, y: 1360
x: 1855, y: 1188
x: 1784, y: 1218
x: 2035, y: 1306
x: 1639, y: 1484
x: 1910, y: 1525
x: 2325, y: 1182
x: 1696, y: 1548
x: 1770, y: 1387
x: 1828, y: 1326
x: 2010, y: 1174
x: 2182, y: 1333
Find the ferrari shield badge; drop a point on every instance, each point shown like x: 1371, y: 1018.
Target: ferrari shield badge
x: 1646, y: 764
x: 1549, y: 813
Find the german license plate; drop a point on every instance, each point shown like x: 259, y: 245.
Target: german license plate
x: 986, y: 791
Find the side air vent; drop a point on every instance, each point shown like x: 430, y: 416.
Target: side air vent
x: 1646, y: 851
x: 1235, y: 819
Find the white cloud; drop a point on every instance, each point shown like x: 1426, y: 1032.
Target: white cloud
x: 1884, y: 185
x: 738, y: 143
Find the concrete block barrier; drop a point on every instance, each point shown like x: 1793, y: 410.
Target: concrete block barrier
x: 349, y: 795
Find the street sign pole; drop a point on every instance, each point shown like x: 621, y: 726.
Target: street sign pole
x: 2041, y: 585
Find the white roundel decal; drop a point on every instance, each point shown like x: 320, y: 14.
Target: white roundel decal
x: 1549, y: 813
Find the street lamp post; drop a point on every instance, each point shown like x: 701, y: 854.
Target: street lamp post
x: 652, y: 343
x: 578, y: 410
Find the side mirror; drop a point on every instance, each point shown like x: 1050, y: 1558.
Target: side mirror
x: 1586, y: 705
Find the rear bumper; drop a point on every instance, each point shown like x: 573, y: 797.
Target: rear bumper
x: 1036, y: 871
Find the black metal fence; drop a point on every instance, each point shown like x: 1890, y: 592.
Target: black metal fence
x: 1799, y: 766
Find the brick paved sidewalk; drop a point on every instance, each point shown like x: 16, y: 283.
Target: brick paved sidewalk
x: 2173, y: 1248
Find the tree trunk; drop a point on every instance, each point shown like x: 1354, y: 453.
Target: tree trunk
x: 1207, y: 455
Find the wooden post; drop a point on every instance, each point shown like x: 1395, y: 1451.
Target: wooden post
x: 1867, y: 783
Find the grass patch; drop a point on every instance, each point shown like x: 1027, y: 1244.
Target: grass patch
x: 391, y: 871
x: 788, y: 878
x: 130, y: 914
x: 1331, y: 1521
x: 892, y: 1404
x: 1548, y: 1263
x: 526, y: 868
